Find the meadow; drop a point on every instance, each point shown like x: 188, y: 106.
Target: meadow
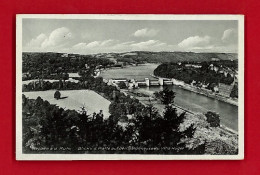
x: 74, y: 100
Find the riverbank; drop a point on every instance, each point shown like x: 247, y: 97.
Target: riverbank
x: 204, y: 92
x: 203, y: 134
x: 142, y: 71
x: 186, y: 98
x: 209, y: 94
x: 147, y: 99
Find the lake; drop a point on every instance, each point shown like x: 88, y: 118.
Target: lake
x: 184, y: 98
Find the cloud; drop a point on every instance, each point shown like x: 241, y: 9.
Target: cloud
x: 230, y: 36
x: 117, y: 46
x: 37, y: 42
x: 61, y: 40
x: 57, y: 38
x: 121, y: 46
x: 195, y: 42
x: 80, y: 46
x: 147, y: 44
x: 146, y: 32
x: 153, y: 45
x: 94, y: 44
x: 227, y: 43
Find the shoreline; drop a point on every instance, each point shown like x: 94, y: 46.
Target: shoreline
x: 199, y: 91
x: 185, y: 87
x: 222, y: 99
x: 223, y: 128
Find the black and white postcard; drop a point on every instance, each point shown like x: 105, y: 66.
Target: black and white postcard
x: 130, y: 87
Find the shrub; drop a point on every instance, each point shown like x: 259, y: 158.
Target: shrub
x: 57, y: 95
x: 213, y: 119
x: 122, y: 85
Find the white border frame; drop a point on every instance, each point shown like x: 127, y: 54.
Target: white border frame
x: 21, y: 156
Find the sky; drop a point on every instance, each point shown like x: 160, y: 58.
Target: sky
x: 89, y: 36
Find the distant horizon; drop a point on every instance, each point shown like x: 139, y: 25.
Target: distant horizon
x: 128, y: 52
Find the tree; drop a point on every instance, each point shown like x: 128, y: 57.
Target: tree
x: 57, y: 95
x: 122, y: 85
x: 173, y: 120
x: 153, y: 112
x: 189, y: 132
x: 205, y: 74
x: 65, y: 76
x: 213, y: 119
x: 234, y: 92
x: 166, y: 96
x: 118, y: 110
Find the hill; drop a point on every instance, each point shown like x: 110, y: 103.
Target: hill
x: 134, y: 57
x: 144, y: 56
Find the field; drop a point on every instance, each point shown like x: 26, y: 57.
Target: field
x: 74, y: 100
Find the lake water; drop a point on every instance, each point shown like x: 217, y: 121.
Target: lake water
x: 184, y: 98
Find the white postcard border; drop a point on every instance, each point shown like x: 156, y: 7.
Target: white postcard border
x: 21, y: 156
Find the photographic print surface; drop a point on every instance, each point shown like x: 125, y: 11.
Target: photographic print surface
x: 123, y: 87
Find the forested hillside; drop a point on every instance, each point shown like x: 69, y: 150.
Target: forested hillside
x: 143, y: 56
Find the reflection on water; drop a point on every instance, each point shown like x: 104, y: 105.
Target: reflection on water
x: 184, y: 98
